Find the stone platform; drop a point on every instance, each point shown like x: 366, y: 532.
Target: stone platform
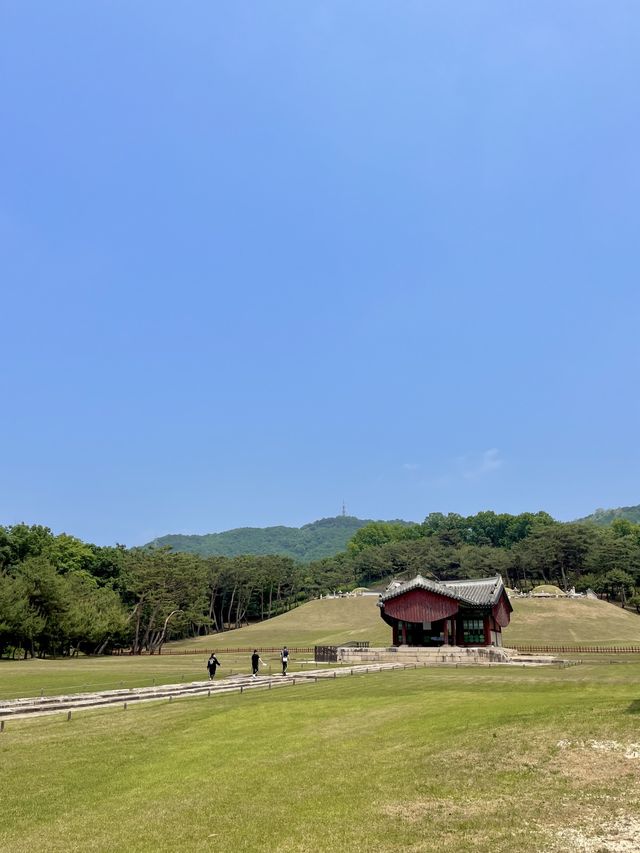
x: 441, y: 655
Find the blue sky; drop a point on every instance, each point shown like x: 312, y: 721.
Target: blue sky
x: 257, y: 258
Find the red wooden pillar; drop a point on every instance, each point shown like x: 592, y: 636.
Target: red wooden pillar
x: 404, y: 633
x: 446, y: 632
x: 487, y: 630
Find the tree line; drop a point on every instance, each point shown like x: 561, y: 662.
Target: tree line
x: 61, y: 596
x: 527, y: 550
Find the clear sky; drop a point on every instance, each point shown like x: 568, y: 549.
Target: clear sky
x: 260, y: 257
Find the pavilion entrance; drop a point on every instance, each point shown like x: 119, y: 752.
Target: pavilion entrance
x: 427, y: 634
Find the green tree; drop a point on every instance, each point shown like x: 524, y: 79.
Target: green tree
x: 38, y: 601
x: 27, y: 541
x: 380, y: 532
x: 168, y: 593
x: 618, y: 584
x: 68, y: 554
x: 557, y: 553
x: 634, y: 602
x: 94, y: 615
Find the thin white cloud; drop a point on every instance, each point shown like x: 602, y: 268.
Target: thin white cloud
x: 472, y: 468
x: 411, y: 466
x: 468, y: 467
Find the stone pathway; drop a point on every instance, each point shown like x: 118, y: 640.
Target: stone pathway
x: 44, y: 705
x: 41, y: 705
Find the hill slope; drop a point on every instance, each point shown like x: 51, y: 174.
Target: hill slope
x: 322, y: 538
x: 570, y: 622
x: 333, y: 621
x: 603, y: 517
x: 328, y: 621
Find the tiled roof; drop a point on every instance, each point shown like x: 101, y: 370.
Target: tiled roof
x: 476, y: 591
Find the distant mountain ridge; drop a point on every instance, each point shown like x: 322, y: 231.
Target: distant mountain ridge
x: 603, y: 517
x: 323, y: 538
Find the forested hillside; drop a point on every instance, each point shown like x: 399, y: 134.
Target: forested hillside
x: 59, y: 595
x: 603, y: 517
x: 313, y: 541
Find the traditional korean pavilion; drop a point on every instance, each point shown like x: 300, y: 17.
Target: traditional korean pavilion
x: 426, y: 612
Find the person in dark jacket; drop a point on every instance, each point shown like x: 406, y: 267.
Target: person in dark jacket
x: 212, y: 664
x: 284, y: 657
x: 256, y: 660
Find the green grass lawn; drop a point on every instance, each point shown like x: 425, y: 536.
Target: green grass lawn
x: 424, y: 760
x: 82, y: 675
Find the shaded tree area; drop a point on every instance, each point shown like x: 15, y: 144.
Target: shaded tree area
x: 526, y: 549
x: 62, y: 596
x: 50, y: 601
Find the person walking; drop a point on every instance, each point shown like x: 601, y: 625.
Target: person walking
x: 212, y: 664
x: 284, y: 657
x: 256, y: 660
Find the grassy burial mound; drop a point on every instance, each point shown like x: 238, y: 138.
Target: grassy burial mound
x: 362, y: 763
x: 534, y: 621
x: 547, y: 589
x: 574, y: 621
x: 329, y: 621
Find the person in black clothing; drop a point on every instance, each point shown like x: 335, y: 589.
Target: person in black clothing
x: 284, y: 657
x: 256, y: 660
x: 212, y: 665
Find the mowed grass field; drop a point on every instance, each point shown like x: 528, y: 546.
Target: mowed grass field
x: 545, y: 621
x: 482, y: 760
x: 325, y: 622
x: 567, y: 622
